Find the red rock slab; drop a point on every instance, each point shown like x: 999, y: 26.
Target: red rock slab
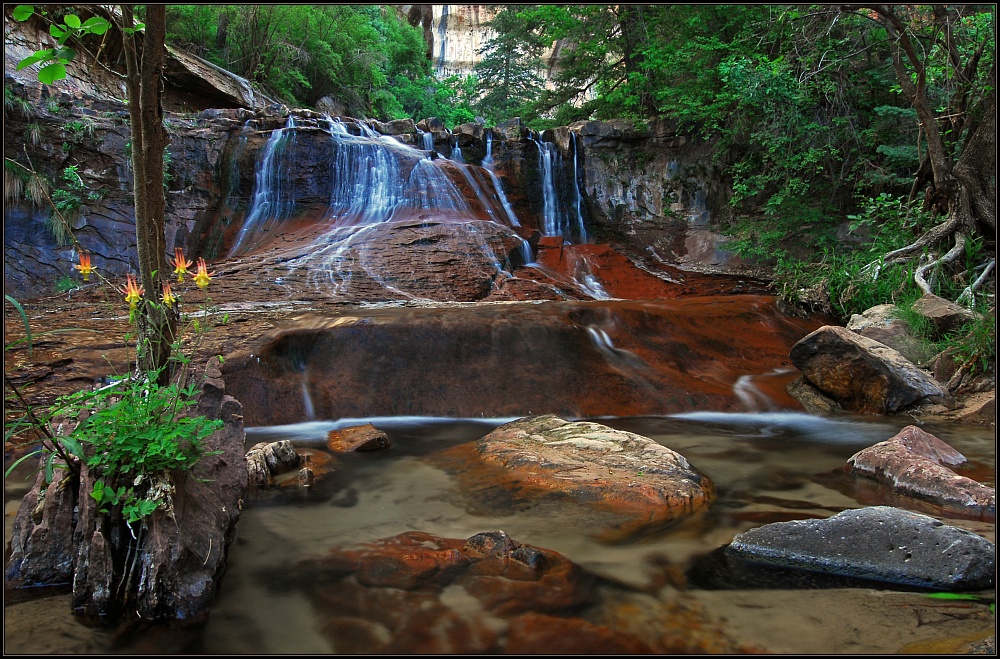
x: 913, y: 463
x: 357, y: 438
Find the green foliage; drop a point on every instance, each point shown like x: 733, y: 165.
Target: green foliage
x: 853, y: 277
x: 507, y: 76
x: 67, y: 198
x: 54, y: 60
x: 365, y: 56
x: 14, y: 103
x: 134, y: 431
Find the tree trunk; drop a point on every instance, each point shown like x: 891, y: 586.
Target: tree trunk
x: 157, y: 323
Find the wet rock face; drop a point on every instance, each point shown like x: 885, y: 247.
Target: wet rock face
x: 357, y: 438
x: 915, y: 463
x: 861, y: 374
x: 507, y: 360
x: 878, y: 543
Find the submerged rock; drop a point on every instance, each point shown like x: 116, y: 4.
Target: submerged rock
x: 419, y: 593
x: 913, y: 462
x: 879, y: 543
x: 357, y: 438
x: 643, y: 483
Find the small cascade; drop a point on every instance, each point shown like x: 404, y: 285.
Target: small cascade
x: 427, y: 141
x: 550, y: 220
x: 456, y: 153
x: 752, y: 398
x: 577, y: 197
x: 307, y: 403
x: 273, y: 197
x: 498, y: 186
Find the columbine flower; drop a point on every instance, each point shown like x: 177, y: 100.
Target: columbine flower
x: 133, y: 292
x: 202, y: 277
x: 181, y: 264
x: 168, y: 297
x: 84, y: 266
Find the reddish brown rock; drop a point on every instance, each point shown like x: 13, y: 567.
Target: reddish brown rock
x: 913, y: 464
x: 862, y: 374
x: 357, y: 438
x: 387, y: 595
x: 641, y: 483
x: 944, y: 314
x: 534, y: 633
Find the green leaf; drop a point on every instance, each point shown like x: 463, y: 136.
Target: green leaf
x: 19, y: 461
x: 952, y: 596
x: 24, y: 318
x: 72, y: 446
x: 37, y: 57
x: 65, y: 55
x: 72, y: 20
x: 49, y: 74
x: 97, y: 25
x: 23, y: 12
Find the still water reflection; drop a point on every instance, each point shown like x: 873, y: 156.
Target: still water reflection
x: 767, y: 467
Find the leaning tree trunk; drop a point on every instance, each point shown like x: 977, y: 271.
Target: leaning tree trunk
x: 144, y: 78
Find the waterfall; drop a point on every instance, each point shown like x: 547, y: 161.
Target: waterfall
x: 581, y: 229
x: 498, y: 186
x: 272, y: 202
x: 427, y: 140
x: 550, y: 220
x: 456, y: 153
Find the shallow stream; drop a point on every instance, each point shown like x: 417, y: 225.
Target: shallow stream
x: 767, y: 466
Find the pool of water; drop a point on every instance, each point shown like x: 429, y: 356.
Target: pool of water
x: 767, y: 467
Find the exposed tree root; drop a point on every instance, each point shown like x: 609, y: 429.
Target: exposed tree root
x: 953, y: 253
x: 966, y: 297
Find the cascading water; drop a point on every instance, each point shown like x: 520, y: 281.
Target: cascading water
x: 550, y: 208
x: 381, y: 189
x: 273, y: 198
x: 577, y: 197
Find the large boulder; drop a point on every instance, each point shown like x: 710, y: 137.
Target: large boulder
x: 915, y: 463
x: 876, y: 544
x: 862, y: 374
x: 642, y: 483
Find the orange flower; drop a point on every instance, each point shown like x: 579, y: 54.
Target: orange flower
x: 84, y: 266
x: 132, y: 291
x: 181, y: 264
x: 168, y: 296
x: 202, y: 277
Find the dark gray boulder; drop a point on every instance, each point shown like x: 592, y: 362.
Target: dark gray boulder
x: 879, y: 543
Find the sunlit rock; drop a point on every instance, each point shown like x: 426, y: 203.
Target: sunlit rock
x: 357, y: 438
x: 642, y: 482
x: 878, y: 543
x: 861, y: 374
x: 915, y: 463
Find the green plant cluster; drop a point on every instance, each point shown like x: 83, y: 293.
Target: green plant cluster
x: 136, y: 431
